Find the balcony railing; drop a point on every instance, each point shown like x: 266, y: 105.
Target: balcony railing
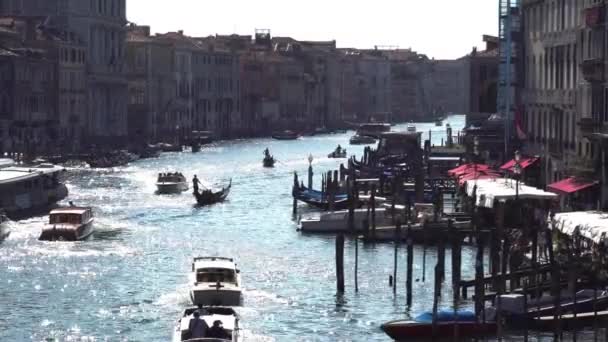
x: 595, y: 16
x: 553, y: 97
x: 593, y: 70
x: 589, y: 125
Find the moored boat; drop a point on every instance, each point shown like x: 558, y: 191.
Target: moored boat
x: 373, y: 129
x: 321, y: 200
x: 337, y: 221
x: 286, y: 135
x: 215, y: 281
x: 171, y: 183
x: 209, y: 197
x: 362, y: 140
x: 68, y: 224
x: 446, y: 322
x: 222, y: 325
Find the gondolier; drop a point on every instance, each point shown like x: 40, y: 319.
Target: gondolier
x: 195, y: 184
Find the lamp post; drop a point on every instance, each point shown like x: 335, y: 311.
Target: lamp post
x: 517, y: 172
x: 310, y: 173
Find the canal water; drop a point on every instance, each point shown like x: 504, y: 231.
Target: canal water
x: 129, y: 282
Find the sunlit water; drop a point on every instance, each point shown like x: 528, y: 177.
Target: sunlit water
x: 129, y: 282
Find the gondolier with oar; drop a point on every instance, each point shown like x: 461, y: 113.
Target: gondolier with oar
x: 195, y: 184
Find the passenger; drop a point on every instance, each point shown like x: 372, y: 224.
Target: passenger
x: 198, y: 327
x: 266, y: 152
x: 217, y: 331
x: 195, y: 183
x: 339, y: 149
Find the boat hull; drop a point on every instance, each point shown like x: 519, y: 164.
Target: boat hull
x: 268, y: 162
x: 407, y: 330
x: 211, y: 296
x: 4, y: 231
x: 66, y: 232
x: 171, y: 188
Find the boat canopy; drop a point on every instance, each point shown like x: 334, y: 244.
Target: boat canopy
x: 500, y: 189
x: 571, y: 185
x: 447, y: 316
x: 592, y: 225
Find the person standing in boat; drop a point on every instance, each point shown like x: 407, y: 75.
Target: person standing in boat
x: 198, y: 327
x: 195, y: 184
x: 266, y: 152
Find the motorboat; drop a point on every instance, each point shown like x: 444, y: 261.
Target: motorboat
x: 209, y: 197
x: 268, y: 160
x: 446, y: 322
x: 171, y: 183
x: 337, y: 221
x: 215, y: 281
x: 68, y: 224
x: 224, y: 316
x: 286, y: 135
x: 4, y: 229
x: 166, y: 147
x: 362, y: 140
x: 339, y: 153
x: 374, y: 129
x: 438, y: 123
x: 411, y: 128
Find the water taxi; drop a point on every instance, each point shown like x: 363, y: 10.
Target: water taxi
x: 29, y: 190
x: 68, y: 224
x: 221, y: 323
x: 215, y: 281
x: 171, y: 183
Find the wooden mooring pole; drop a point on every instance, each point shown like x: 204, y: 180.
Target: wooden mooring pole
x: 410, y: 265
x: 340, y: 263
x: 397, y: 238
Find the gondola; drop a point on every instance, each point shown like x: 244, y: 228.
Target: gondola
x: 269, y: 161
x: 337, y: 155
x: 208, y: 197
x: 320, y: 200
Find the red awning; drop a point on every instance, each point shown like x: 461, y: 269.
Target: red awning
x: 467, y: 168
x: 571, y: 185
x: 524, y: 163
x: 484, y: 174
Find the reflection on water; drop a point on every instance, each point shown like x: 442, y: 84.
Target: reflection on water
x: 130, y: 281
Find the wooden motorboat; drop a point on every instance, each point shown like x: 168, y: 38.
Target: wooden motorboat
x: 68, y: 224
x: 215, y: 281
x: 438, y: 123
x: 433, y: 232
x: 208, y: 197
x: 228, y: 318
x: 411, y: 128
x: 4, y: 229
x: 362, y: 140
x: 286, y: 135
x: 373, y: 129
x: 422, y: 326
x: 166, y: 147
x: 171, y: 183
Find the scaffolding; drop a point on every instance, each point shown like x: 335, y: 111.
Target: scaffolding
x: 510, y: 47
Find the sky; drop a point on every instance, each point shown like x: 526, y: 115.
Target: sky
x: 443, y: 29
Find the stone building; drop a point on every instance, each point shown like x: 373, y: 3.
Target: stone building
x: 565, y: 89
x: 100, y: 24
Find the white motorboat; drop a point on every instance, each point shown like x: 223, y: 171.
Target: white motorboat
x: 225, y: 317
x: 215, y: 281
x: 411, y: 128
x: 68, y: 224
x: 337, y: 221
x: 171, y: 183
x: 4, y: 230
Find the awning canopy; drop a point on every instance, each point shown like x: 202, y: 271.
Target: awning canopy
x: 500, y: 189
x: 467, y: 168
x: 483, y: 174
x: 571, y: 185
x: 524, y: 163
x: 592, y: 225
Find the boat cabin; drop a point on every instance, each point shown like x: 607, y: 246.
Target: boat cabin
x: 373, y: 129
x: 227, y: 316
x: 214, y: 270
x: 400, y: 143
x: 170, y: 177
x: 71, y: 215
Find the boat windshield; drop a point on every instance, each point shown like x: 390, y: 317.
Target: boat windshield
x: 65, y: 218
x: 222, y: 276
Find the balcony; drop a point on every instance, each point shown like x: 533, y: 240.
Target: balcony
x: 595, y: 16
x: 593, y: 70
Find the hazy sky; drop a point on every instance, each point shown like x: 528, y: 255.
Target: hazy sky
x: 438, y: 28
